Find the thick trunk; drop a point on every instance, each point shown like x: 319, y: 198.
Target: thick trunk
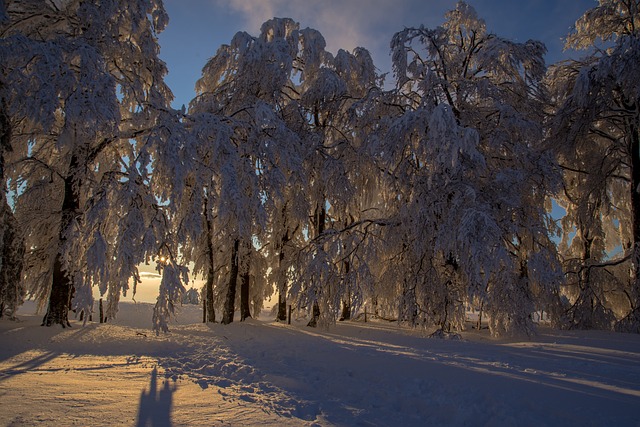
x: 315, y: 315
x: 245, y: 302
x: 631, y: 323
x: 282, y: 306
x: 12, y: 246
x: 59, y: 298
x: 346, y: 310
x: 230, y: 300
x: 62, y: 286
x: 245, y: 311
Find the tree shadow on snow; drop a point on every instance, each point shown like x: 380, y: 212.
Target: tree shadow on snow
x: 155, y: 404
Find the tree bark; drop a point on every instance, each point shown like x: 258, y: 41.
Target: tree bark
x: 635, y: 199
x: 631, y: 323
x: 320, y: 219
x: 62, y: 285
x: 59, y: 298
x: 210, y: 312
x: 346, y: 310
x: 282, y: 288
x: 209, y: 309
x: 245, y: 302
x: 204, y: 308
x: 282, y: 306
x: 230, y: 300
x: 346, y: 302
x: 12, y: 245
x: 245, y: 311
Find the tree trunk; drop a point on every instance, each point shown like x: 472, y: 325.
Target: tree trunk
x: 209, y: 309
x: 245, y: 303
x: 12, y: 244
x: 635, y: 197
x: 282, y: 289
x: 245, y: 311
x: 320, y: 219
x: 62, y: 285
x: 204, y: 308
x: 346, y: 310
x: 346, y: 302
x: 282, y: 306
x: 315, y: 315
x: 631, y: 323
x: 230, y: 300
x: 210, y: 312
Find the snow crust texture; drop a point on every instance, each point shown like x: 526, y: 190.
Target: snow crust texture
x: 260, y: 372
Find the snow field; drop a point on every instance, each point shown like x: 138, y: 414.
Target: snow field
x: 264, y: 373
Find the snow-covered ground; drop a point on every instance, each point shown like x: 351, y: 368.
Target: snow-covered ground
x: 352, y: 374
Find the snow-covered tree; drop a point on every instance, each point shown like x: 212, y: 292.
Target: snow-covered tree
x: 253, y: 166
x: 596, y: 128
x: 474, y: 217
x: 341, y: 181
x: 288, y: 101
x: 83, y: 148
x: 11, y: 244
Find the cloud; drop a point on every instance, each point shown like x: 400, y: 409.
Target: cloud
x: 345, y: 24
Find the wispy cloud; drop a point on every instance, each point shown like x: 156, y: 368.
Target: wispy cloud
x: 345, y: 24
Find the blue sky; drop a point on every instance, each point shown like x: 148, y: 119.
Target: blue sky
x: 198, y: 27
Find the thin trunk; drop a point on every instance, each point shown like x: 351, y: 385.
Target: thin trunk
x: 346, y: 302
x: 5, y: 134
x: 635, y: 202
x: 320, y: 218
x: 210, y: 312
x: 209, y: 309
x: 282, y: 288
x: 5, y: 144
x: 589, y: 310
x: 245, y: 303
x: 62, y: 286
x: 230, y: 300
x: 585, y: 274
x: 204, y: 309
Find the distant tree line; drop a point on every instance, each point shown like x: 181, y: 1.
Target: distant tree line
x: 304, y: 173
